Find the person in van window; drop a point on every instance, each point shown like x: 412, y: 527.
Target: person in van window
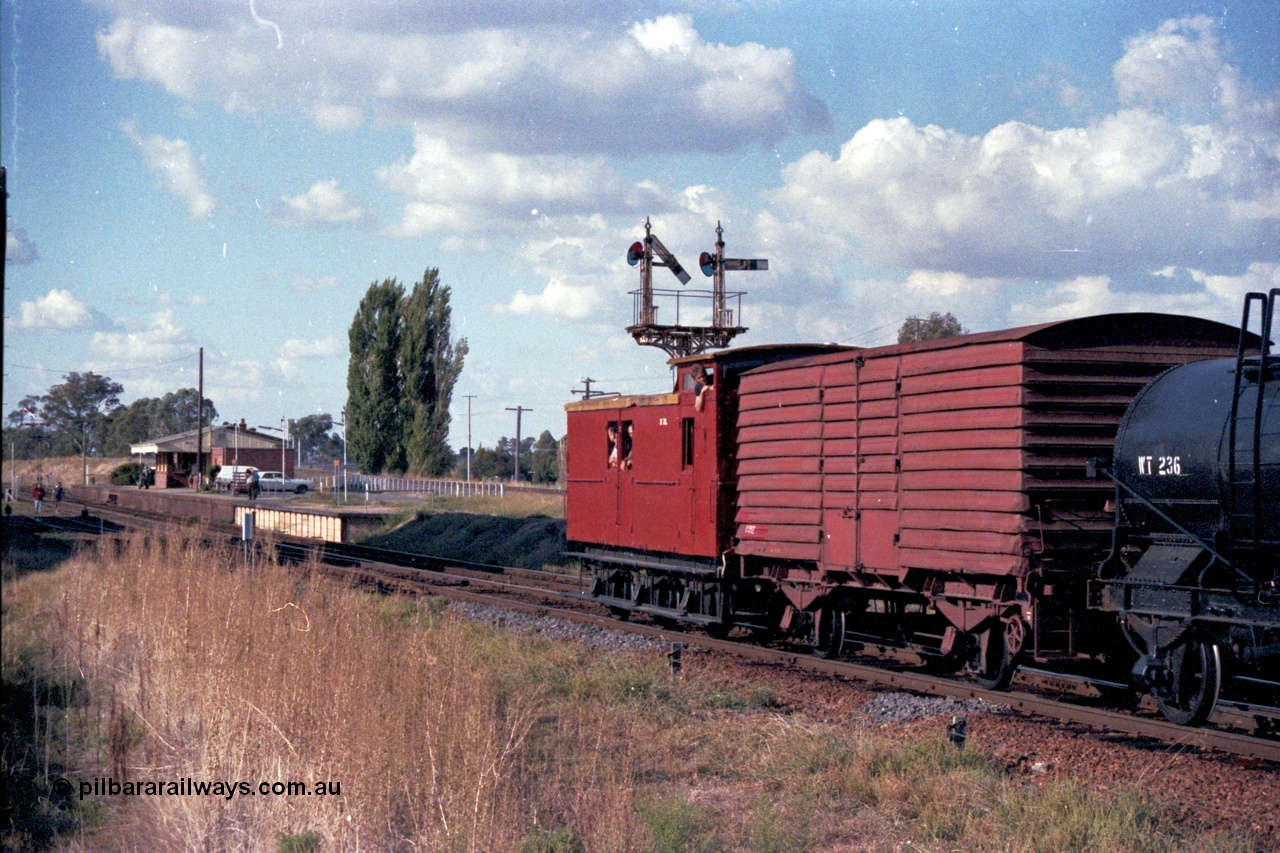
x: 627, y: 435
x: 702, y: 381
x: 612, y: 434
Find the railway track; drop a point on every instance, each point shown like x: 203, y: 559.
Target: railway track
x: 563, y: 596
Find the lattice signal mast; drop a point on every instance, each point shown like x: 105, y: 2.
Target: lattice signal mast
x: 681, y: 339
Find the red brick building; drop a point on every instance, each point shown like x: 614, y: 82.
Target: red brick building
x: 174, y: 456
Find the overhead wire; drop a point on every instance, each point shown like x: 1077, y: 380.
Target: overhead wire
x: 104, y: 371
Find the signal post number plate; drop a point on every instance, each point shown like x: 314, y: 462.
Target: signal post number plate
x: 1160, y: 466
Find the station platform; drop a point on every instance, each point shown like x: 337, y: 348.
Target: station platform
x: 287, y: 514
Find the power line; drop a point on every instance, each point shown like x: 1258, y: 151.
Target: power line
x: 878, y: 328
x: 104, y: 371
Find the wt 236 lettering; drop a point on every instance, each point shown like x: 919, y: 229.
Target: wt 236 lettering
x: 1161, y: 466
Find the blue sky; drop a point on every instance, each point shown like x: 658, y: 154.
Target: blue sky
x: 234, y: 175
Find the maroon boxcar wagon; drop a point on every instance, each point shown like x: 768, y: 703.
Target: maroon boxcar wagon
x: 943, y: 497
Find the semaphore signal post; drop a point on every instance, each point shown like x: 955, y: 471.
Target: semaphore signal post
x: 680, y: 338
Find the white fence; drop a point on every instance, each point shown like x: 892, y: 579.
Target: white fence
x: 454, y: 488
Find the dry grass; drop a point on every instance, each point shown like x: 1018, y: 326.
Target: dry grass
x: 225, y: 672
x: 446, y: 736
x: 514, y: 505
x: 60, y: 469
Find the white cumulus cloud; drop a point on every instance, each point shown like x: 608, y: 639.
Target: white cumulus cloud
x: 455, y: 191
x: 557, y: 299
x: 528, y: 77
x: 325, y: 204
x: 160, y: 339
x: 1135, y: 190
x: 56, y: 310
x: 176, y: 164
x: 295, y: 352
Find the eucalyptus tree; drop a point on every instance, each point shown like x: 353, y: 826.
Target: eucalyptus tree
x: 78, y: 408
x: 931, y: 328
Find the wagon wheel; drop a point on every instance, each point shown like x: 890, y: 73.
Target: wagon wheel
x: 828, y: 641
x: 1189, y: 695
x: 947, y: 664
x: 998, y: 652
x: 619, y: 586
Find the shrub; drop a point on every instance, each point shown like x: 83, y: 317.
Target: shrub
x: 678, y: 826
x: 126, y: 474
x: 561, y: 840
x: 298, y: 842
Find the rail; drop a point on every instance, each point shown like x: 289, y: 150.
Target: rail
x: 424, y: 574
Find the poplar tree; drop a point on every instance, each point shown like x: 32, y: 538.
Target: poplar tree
x: 404, y: 364
x: 374, y: 415
x: 431, y: 362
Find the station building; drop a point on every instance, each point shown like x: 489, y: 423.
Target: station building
x: 174, y: 456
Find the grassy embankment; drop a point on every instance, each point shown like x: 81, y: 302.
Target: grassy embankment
x: 67, y: 470
x: 151, y: 664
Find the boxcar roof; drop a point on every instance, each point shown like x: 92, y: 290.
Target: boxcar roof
x: 762, y: 354
x: 1103, y: 330
x: 621, y: 401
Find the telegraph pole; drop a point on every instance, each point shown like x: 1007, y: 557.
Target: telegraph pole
x: 588, y: 393
x: 469, y: 397
x: 199, y: 478
x: 519, y: 410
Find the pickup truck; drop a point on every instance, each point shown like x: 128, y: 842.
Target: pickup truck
x: 275, y: 481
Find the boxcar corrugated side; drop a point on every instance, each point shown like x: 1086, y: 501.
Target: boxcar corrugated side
x: 953, y: 470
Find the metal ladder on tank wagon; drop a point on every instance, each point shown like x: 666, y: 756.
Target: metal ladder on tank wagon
x: 1244, y: 465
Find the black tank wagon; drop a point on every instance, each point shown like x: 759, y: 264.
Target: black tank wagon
x: 1194, y: 574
